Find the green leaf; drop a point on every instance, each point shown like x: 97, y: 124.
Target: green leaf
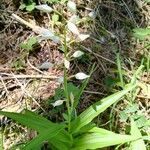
x: 30, y: 7
x: 101, y: 131
x: 59, y: 93
x: 29, y: 44
x: 57, y: 144
x: 139, y: 143
x: 40, y: 124
x: 31, y: 41
x: 52, y: 1
x: 1, y: 140
x: 141, y: 33
x: 93, y: 111
x: 146, y: 138
x: 72, y: 89
x: 123, y: 116
x: 22, y: 6
x: 30, y: 120
x: 141, y: 121
x: 55, y: 17
x: 26, y: 46
x: 45, y: 135
x: 132, y: 109
x: 101, y: 139
x: 148, y: 123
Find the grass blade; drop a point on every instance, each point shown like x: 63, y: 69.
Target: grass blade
x: 1, y: 140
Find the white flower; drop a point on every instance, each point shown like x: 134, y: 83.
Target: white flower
x: 74, y: 19
x: 58, y: 103
x: 83, y: 37
x: 81, y: 76
x: 71, y: 6
x: 92, y: 15
x: 66, y: 63
x: 73, y: 28
x: 44, y: 8
x: 77, y: 54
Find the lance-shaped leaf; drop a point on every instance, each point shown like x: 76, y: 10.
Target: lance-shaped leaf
x: 46, y: 135
x: 36, y: 122
x: 137, y: 144
x: 100, y: 139
x: 29, y: 119
x: 93, y: 111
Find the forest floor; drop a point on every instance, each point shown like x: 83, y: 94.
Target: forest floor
x: 29, y: 77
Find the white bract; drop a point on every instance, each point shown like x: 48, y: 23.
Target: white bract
x: 46, y: 34
x: 44, y: 8
x: 71, y: 6
x: 55, y: 39
x: 92, y: 15
x: 46, y: 65
x: 83, y: 37
x: 66, y: 63
x: 81, y: 76
x: 61, y: 79
x: 77, y: 54
x: 58, y: 103
x: 73, y: 28
x: 74, y: 19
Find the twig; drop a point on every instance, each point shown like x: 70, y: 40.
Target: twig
x: 10, y: 76
x: 27, y: 93
x: 4, y: 85
x: 35, y: 28
x: 93, y: 92
x: 106, y: 59
x: 34, y: 67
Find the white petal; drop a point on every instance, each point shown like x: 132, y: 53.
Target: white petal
x: 81, y: 76
x: 61, y: 79
x: 77, y: 54
x: 83, y: 37
x: 71, y: 6
x: 46, y: 65
x: 46, y: 32
x: 44, y: 8
x: 73, y: 28
x: 57, y: 103
x: 74, y: 19
x: 55, y: 39
x: 92, y: 15
x: 66, y: 63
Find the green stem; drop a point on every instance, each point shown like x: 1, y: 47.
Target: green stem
x: 120, y: 70
x: 65, y: 85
